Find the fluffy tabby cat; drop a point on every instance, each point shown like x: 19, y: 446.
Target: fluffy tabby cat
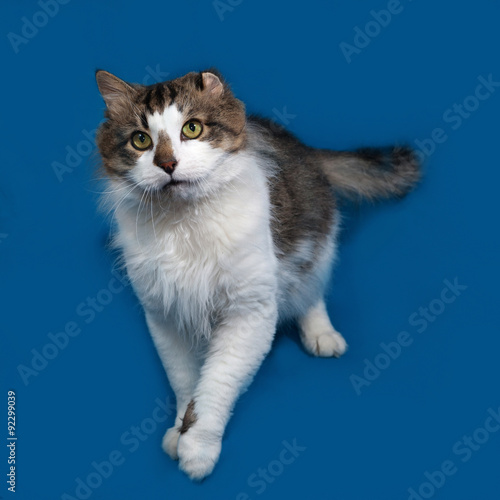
x: 227, y: 225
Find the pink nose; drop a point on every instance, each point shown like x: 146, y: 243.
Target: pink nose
x: 169, y: 166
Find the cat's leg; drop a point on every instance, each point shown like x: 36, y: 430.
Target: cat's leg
x: 183, y: 370
x: 318, y: 335
x: 236, y: 351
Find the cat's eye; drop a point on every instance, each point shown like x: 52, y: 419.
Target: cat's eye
x: 192, y: 129
x: 141, y: 141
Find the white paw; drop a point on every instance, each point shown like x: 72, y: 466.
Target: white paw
x: 169, y: 443
x: 198, y: 453
x: 326, y: 344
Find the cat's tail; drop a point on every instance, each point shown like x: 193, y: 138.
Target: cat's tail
x: 371, y: 172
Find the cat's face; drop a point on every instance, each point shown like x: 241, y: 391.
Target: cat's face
x: 173, y: 137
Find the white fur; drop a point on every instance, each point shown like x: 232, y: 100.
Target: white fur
x: 318, y: 335
x: 210, y: 263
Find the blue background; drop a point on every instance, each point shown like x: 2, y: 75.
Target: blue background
x: 393, y: 259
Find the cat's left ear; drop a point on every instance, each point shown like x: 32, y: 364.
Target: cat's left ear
x: 212, y: 84
x: 115, y: 92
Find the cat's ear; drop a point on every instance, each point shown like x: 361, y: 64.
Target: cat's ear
x: 212, y: 84
x: 115, y: 92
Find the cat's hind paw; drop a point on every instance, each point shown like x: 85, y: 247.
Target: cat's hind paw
x: 326, y: 344
x: 318, y: 335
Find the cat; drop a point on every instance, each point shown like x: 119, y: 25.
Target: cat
x: 227, y: 225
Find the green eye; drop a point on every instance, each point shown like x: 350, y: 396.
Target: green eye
x: 141, y: 141
x: 192, y: 129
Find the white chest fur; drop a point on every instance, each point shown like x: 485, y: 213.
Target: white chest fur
x: 190, y: 264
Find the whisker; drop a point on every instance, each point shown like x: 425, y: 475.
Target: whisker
x: 152, y: 216
x: 137, y: 218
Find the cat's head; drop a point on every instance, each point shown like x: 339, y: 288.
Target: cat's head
x: 173, y: 137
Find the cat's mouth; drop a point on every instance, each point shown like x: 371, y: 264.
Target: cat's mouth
x: 175, y: 182
x: 180, y: 183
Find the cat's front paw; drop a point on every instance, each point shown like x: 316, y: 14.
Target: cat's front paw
x: 169, y: 443
x: 198, y: 453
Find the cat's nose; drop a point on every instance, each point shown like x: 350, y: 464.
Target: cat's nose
x: 169, y: 166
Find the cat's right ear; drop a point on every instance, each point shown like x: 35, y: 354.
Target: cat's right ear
x: 115, y: 92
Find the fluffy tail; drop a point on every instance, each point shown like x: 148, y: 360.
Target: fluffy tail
x: 371, y: 172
